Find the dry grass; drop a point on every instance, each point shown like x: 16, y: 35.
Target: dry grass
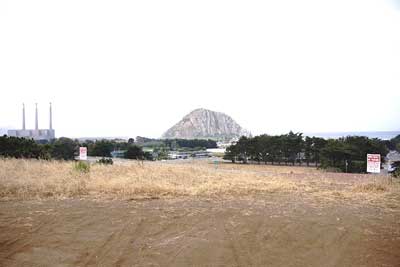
x: 377, y: 186
x: 29, y: 179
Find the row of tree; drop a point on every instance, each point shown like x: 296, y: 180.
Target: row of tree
x: 176, y: 144
x: 190, y: 143
x: 17, y: 147
x: 66, y: 148
x: 21, y: 148
x: 346, y: 154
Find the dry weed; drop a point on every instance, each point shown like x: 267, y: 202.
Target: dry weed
x: 28, y: 179
x: 376, y: 188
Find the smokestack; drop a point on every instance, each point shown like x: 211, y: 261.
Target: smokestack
x: 51, y: 118
x: 23, y: 116
x: 36, y: 119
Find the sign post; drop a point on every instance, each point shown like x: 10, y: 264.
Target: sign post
x: 82, y: 153
x: 216, y: 164
x: 374, y: 163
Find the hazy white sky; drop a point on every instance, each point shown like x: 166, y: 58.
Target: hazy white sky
x: 127, y: 68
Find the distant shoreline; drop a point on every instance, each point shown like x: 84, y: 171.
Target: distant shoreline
x: 384, y: 135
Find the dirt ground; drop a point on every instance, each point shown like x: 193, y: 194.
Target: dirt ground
x: 270, y: 230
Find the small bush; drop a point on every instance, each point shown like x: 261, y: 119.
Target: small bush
x: 82, y: 166
x: 105, y: 161
x: 357, y: 166
x: 396, y: 169
x: 396, y: 173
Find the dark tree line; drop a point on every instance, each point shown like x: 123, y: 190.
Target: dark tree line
x: 173, y: 144
x: 103, y: 148
x: 66, y: 148
x: 345, y: 154
x: 289, y: 148
x: 191, y: 143
x: 350, y: 153
x: 17, y: 147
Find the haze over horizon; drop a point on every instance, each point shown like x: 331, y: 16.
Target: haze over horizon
x: 136, y: 68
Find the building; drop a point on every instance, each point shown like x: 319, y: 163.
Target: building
x: 188, y: 154
x: 118, y: 153
x: 35, y: 134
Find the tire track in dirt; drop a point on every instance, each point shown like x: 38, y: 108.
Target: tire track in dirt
x: 133, y: 240
x: 232, y: 246
x: 279, y: 231
x: 14, y: 247
x: 162, y: 232
x: 130, y: 241
x: 186, y: 237
x: 120, y: 240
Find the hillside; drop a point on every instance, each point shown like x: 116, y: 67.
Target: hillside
x: 203, y: 123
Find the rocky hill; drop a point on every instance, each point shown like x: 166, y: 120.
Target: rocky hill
x: 203, y: 123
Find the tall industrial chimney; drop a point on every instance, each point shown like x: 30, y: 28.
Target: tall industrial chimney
x: 23, y: 116
x: 51, y: 118
x: 36, y: 119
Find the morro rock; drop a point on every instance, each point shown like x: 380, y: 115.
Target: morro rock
x: 206, y: 124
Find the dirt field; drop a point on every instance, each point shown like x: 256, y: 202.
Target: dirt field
x: 277, y: 216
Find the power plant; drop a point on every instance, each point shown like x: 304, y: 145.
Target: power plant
x: 36, y: 134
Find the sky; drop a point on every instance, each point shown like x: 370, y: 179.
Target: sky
x: 128, y: 68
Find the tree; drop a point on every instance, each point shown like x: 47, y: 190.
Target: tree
x: 231, y: 153
x: 148, y: 156
x: 276, y: 150
x: 308, y: 149
x: 350, y: 153
x: 396, y: 169
x: 64, y: 148
x: 294, y: 144
x: 284, y: 148
x: 334, y: 154
x: 265, y: 147
x: 254, y: 148
x: 243, y: 149
x: 134, y: 152
x: 394, y: 143
x: 317, y: 145
x: 161, y: 152
x: 192, y: 143
x: 102, y: 148
x: 18, y: 147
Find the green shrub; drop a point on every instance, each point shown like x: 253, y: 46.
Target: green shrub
x: 396, y: 173
x: 134, y: 152
x: 82, y: 167
x: 64, y: 148
x: 357, y: 166
x: 396, y: 166
x: 105, y: 161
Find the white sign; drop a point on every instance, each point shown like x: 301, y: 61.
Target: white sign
x: 374, y: 163
x: 83, y: 153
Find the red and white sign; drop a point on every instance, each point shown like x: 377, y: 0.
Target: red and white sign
x: 83, y: 153
x: 374, y: 163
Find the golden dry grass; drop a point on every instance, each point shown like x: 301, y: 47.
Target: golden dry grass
x: 376, y: 187
x: 29, y: 179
